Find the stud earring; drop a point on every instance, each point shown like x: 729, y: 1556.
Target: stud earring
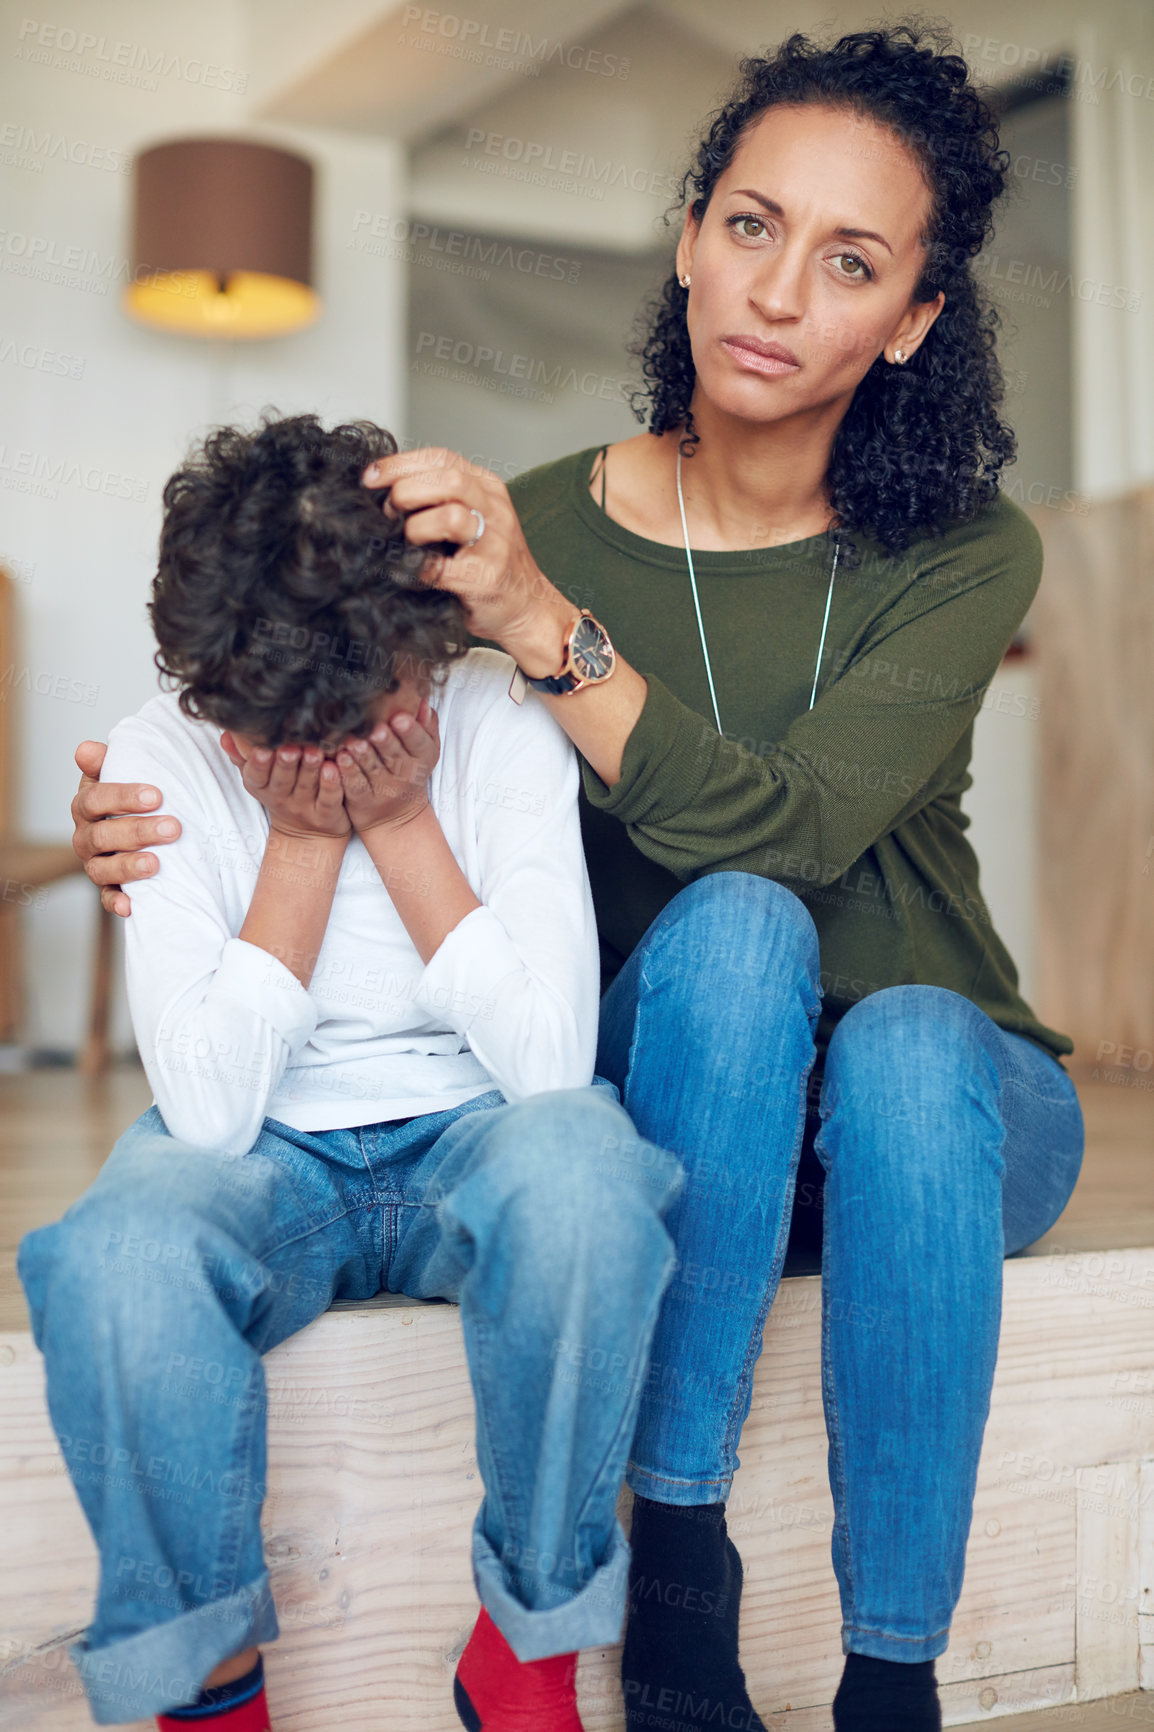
x: 685, y: 280
x: 900, y: 357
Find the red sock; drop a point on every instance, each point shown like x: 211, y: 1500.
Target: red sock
x: 250, y: 1716
x: 496, y: 1692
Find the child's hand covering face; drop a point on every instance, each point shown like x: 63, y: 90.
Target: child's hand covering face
x: 367, y: 784
x: 386, y: 776
x: 297, y: 785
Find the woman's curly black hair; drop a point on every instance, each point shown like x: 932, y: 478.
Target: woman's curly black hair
x: 284, y: 601
x: 922, y: 445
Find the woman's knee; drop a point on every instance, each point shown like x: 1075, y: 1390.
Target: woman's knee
x: 915, y: 1054
x: 732, y: 924
x: 915, y: 1025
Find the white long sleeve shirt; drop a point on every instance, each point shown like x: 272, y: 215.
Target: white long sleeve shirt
x: 229, y: 1036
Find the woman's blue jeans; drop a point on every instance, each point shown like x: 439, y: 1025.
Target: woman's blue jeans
x: 155, y: 1296
x: 945, y: 1143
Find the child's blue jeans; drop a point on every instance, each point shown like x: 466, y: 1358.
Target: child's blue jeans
x: 946, y: 1143
x: 155, y: 1296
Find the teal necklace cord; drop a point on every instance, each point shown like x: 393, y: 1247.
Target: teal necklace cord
x: 697, y: 606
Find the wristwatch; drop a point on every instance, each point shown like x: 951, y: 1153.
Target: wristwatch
x: 589, y: 658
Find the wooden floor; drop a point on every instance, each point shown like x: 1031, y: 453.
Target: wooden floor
x: 56, y: 1128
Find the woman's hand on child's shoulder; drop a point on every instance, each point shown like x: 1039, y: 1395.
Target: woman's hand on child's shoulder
x: 297, y: 785
x: 386, y: 776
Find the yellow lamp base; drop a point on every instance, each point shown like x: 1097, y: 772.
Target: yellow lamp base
x: 194, y: 304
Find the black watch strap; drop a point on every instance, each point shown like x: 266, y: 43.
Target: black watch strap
x: 555, y: 684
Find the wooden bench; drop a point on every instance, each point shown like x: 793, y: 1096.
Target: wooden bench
x: 373, y: 1486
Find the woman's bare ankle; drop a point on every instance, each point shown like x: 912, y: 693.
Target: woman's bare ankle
x: 234, y: 1668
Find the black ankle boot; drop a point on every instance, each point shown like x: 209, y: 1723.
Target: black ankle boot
x: 680, y: 1661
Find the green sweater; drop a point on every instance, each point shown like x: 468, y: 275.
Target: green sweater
x: 855, y: 805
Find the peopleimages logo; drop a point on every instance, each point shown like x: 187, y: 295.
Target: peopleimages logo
x: 517, y: 374
x: 38, y: 359
x: 476, y: 40
x: 409, y: 237
x: 541, y: 158
x: 40, y: 472
x: 72, y: 266
x: 135, y: 63
x: 24, y: 147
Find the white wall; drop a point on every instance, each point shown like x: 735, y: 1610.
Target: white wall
x: 1113, y: 234
x: 1002, y: 807
x: 132, y: 399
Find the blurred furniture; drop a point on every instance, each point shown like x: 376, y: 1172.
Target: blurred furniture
x: 27, y: 867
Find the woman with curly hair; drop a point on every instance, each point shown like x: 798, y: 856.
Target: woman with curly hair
x: 802, y: 579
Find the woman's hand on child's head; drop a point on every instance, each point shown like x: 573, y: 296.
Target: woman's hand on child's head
x: 442, y: 497
x: 297, y: 785
x: 386, y: 776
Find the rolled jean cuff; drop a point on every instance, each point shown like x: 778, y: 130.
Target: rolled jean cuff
x: 885, y: 1647
x: 592, y: 1618
x: 682, y: 1492
x: 165, y: 1667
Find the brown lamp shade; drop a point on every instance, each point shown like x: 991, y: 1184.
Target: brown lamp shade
x: 222, y: 239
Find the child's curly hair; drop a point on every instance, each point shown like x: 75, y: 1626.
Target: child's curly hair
x: 922, y: 445
x: 284, y: 601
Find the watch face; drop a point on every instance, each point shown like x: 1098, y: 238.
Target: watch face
x: 590, y: 651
